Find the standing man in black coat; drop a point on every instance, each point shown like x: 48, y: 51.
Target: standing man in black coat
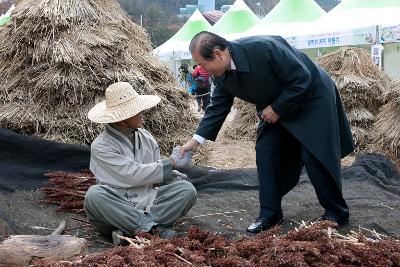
x: 302, y: 122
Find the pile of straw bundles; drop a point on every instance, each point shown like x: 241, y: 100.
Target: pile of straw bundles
x: 362, y: 87
x: 245, y: 122
x: 58, y: 57
x: 386, y: 130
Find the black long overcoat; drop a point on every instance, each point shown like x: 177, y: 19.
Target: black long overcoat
x: 271, y: 72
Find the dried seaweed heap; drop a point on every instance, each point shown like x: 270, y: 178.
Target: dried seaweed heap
x: 58, y: 57
x: 306, y: 246
x: 67, y: 190
x: 362, y: 87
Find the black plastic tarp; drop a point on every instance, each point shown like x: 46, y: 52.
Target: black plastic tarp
x: 371, y: 187
x: 24, y: 160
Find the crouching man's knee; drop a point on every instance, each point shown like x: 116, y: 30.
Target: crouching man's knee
x: 189, y: 192
x: 94, y: 196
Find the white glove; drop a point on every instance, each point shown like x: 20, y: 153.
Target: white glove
x: 181, y: 162
x: 179, y: 176
x: 175, y: 176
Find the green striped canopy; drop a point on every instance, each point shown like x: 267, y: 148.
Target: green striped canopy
x: 177, y: 47
x: 293, y: 11
x: 4, y: 20
x: 239, y: 18
x: 194, y: 25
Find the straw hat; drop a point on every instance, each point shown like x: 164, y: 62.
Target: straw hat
x: 122, y: 102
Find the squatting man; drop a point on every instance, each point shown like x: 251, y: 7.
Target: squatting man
x: 125, y: 159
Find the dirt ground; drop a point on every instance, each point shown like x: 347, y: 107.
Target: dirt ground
x: 28, y: 216
x: 226, y: 153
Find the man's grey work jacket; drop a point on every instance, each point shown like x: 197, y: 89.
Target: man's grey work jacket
x: 132, y: 169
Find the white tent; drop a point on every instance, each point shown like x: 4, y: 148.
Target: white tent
x: 374, y: 24
x: 354, y: 19
x: 237, y: 20
x: 350, y: 23
x: 287, y: 18
x: 177, y: 47
x: 5, y: 18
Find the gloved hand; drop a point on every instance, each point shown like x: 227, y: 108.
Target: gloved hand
x: 179, y: 176
x: 180, y: 162
x: 175, y: 176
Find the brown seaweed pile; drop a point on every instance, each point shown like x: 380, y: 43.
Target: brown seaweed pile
x: 313, y: 245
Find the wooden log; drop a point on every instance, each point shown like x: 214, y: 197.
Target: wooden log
x: 60, y: 228
x: 19, y: 250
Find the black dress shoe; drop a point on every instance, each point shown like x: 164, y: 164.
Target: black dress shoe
x: 262, y: 224
x: 340, y: 221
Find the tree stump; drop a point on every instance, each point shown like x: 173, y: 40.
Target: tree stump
x: 19, y: 250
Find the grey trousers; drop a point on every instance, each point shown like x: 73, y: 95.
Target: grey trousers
x: 109, y: 210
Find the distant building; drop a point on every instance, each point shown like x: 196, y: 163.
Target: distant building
x: 186, y: 12
x: 225, y: 8
x: 202, y: 5
x: 206, y: 5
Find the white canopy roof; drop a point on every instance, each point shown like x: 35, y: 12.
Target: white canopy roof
x: 177, y: 47
x: 353, y: 19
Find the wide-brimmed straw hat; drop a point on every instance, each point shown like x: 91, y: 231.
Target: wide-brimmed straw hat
x: 122, y: 102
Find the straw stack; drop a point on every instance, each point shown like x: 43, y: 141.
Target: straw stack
x: 58, y: 57
x: 362, y: 87
x: 245, y: 122
x: 386, y: 130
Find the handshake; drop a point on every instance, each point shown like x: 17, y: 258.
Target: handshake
x: 180, y: 162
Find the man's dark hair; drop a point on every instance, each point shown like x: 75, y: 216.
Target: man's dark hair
x: 205, y: 42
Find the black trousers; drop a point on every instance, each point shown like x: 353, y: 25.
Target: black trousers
x: 280, y: 158
x: 203, y: 97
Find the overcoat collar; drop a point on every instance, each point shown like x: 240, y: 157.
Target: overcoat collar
x: 238, y: 57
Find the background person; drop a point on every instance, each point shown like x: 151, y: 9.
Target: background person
x: 192, y: 86
x: 202, y: 79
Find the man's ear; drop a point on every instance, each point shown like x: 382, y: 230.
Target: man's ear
x: 218, y: 54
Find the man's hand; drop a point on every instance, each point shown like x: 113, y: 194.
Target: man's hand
x: 269, y: 115
x: 190, y: 146
x: 179, y: 175
x: 177, y: 160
